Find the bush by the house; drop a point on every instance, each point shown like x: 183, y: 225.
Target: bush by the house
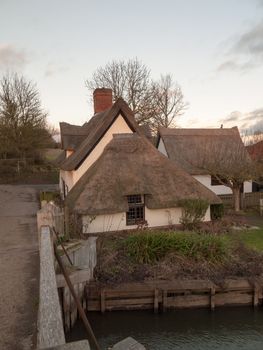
x: 193, y: 212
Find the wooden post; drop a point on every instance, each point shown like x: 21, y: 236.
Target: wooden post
x: 164, y: 300
x: 255, y: 297
x: 102, y: 301
x: 212, y: 298
x: 156, y: 301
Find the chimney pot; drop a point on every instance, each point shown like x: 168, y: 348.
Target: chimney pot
x: 102, y: 99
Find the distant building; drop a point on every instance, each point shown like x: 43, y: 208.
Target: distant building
x: 193, y: 149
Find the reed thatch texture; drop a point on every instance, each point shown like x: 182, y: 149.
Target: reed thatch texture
x: 199, y: 151
x: 129, y: 165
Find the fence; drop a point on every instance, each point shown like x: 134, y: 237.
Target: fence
x: 247, y: 200
x: 173, y: 294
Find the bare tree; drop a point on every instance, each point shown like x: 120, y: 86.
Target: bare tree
x: 153, y: 102
x: 168, y: 101
x: 229, y: 163
x: 251, y: 137
x: 129, y: 80
x: 23, y: 126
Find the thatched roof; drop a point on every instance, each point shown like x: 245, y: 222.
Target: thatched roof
x: 84, y: 138
x: 72, y: 135
x: 130, y: 164
x: 195, y: 150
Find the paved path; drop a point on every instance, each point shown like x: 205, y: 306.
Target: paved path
x: 19, y: 264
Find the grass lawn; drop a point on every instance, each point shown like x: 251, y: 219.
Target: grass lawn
x: 252, y: 238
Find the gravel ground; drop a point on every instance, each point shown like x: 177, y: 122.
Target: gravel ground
x: 19, y: 261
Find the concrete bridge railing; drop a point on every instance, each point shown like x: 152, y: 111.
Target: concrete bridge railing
x: 50, y: 324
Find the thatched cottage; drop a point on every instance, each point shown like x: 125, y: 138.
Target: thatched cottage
x: 205, y: 152
x: 132, y: 183
x: 82, y: 145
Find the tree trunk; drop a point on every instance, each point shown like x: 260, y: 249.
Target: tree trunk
x: 236, y: 195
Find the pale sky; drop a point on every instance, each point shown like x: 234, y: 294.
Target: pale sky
x: 212, y: 48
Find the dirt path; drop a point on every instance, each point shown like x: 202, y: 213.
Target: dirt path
x: 19, y: 262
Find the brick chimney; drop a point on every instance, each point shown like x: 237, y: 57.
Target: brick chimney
x: 102, y: 99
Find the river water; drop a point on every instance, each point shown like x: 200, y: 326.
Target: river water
x: 225, y: 328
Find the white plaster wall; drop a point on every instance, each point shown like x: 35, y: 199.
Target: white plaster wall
x: 161, y: 147
x: 67, y: 176
x: 247, y: 186
x: 220, y: 189
x: 117, y: 222
x: 206, y: 181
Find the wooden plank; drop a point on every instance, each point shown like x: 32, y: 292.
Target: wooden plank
x: 238, y: 285
x: 256, y: 295
x: 102, y: 301
x: 156, y: 301
x: 132, y: 301
x: 164, y: 301
x: 233, y: 298
x: 111, y: 294
x: 212, y: 298
x: 187, y: 301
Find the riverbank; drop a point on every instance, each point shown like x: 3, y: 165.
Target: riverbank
x: 234, y: 252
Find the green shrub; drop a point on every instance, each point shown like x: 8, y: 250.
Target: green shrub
x: 217, y: 211
x: 49, y: 196
x: 152, y: 247
x: 193, y: 211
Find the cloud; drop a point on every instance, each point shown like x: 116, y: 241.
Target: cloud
x: 232, y: 117
x: 247, y: 121
x: 251, y: 42
x: 53, y: 69
x: 11, y: 57
x: 246, y: 52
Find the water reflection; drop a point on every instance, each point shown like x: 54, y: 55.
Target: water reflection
x: 225, y: 328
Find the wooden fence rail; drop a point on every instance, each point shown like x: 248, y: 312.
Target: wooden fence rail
x: 161, y: 295
x: 247, y: 200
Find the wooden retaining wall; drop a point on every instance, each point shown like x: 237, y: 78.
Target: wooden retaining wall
x: 162, y: 295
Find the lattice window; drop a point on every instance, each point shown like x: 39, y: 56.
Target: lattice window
x: 135, y: 214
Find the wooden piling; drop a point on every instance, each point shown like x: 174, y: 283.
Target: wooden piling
x: 102, y: 301
x: 212, y: 298
x: 156, y: 301
x: 164, y: 304
x: 256, y: 295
